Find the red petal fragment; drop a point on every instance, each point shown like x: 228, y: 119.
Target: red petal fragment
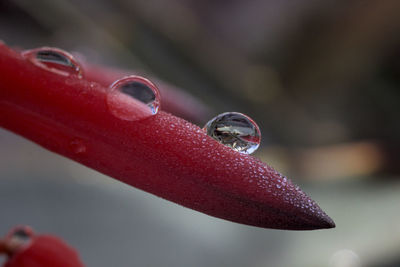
x: 45, y: 251
x: 163, y: 154
x: 25, y: 249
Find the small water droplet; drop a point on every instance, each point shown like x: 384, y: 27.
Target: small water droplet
x: 133, y: 98
x: 22, y: 233
x: 55, y: 60
x: 77, y: 146
x: 18, y: 237
x: 235, y: 130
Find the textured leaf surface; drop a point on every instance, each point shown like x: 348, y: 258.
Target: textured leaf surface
x: 164, y: 155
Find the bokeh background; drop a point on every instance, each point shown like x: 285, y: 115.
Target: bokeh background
x: 321, y: 78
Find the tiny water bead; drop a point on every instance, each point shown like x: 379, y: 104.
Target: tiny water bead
x: 77, y: 146
x: 22, y: 234
x: 55, y: 60
x: 133, y: 98
x: 17, y: 238
x: 236, y: 131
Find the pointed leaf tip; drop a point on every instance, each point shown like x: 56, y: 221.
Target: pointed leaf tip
x: 163, y: 154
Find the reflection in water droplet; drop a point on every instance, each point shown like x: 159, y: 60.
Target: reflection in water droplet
x: 235, y: 130
x: 22, y: 234
x: 19, y: 237
x: 54, y: 60
x: 133, y: 98
x: 77, y: 146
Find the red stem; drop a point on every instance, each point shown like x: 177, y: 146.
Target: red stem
x: 163, y: 154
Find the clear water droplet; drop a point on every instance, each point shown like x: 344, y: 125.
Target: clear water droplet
x: 23, y: 234
x: 235, y: 130
x: 17, y: 238
x: 77, y: 146
x: 55, y: 60
x: 133, y: 98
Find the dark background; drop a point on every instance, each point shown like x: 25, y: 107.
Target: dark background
x: 321, y: 78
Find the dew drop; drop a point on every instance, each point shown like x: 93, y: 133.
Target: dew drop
x: 19, y: 237
x: 23, y: 234
x: 133, y: 98
x: 55, y: 60
x: 235, y: 130
x: 77, y: 146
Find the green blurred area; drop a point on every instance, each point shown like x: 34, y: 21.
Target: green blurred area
x: 321, y: 78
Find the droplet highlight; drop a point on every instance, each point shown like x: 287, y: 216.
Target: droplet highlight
x: 55, y: 60
x: 77, y: 146
x: 133, y: 98
x: 236, y: 131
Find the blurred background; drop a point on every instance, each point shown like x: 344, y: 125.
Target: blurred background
x: 322, y: 80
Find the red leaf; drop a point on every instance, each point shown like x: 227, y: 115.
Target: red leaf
x: 163, y: 154
x: 40, y: 251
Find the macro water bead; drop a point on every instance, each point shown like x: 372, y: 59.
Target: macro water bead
x: 16, y: 239
x: 55, y: 60
x: 236, y: 131
x: 23, y: 234
x: 133, y: 98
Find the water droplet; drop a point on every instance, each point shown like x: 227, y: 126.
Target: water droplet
x: 23, y: 234
x: 54, y: 60
x: 133, y: 98
x: 77, y: 146
x: 18, y: 237
x: 235, y: 130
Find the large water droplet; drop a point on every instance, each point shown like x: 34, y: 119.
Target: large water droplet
x: 133, y: 98
x: 235, y: 130
x: 54, y: 60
